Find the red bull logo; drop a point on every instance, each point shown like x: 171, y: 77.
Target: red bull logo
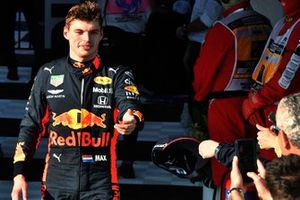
x: 103, y: 80
x: 78, y: 119
x: 84, y: 139
x: 132, y: 88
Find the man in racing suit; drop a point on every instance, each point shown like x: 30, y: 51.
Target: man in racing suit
x: 223, y: 69
x: 74, y: 100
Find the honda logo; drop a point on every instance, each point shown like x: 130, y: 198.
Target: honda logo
x: 102, y: 100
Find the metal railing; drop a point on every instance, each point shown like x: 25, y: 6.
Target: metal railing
x: 21, y: 32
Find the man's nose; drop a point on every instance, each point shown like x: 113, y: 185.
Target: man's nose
x: 86, y: 36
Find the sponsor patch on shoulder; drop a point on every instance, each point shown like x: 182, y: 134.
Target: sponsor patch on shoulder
x: 56, y: 80
x: 132, y: 88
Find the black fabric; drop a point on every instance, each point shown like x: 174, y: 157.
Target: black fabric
x: 163, y: 65
x: 225, y: 154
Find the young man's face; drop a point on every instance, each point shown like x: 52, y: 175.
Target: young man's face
x: 84, y: 38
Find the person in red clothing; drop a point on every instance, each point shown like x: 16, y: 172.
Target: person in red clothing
x: 275, y: 76
x: 222, y: 73
x: 277, y: 73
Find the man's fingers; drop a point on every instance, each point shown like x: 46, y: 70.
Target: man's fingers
x: 15, y: 195
x: 118, y: 128
x: 25, y: 191
x: 128, y: 116
x: 128, y: 122
x: 235, y: 163
x: 130, y: 111
x: 253, y: 176
x: 261, y: 128
x: 125, y: 126
x: 124, y: 129
x: 261, y: 169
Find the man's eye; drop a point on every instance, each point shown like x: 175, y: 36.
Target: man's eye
x: 95, y: 32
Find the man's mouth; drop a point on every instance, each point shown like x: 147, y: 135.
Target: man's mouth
x: 85, y: 46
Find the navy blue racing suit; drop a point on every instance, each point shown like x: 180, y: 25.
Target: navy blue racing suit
x: 77, y: 113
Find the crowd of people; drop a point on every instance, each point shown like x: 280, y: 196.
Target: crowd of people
x: 285, y: 143
x: 235, y: 65
x: 232, y: 116
x: 281, y: 178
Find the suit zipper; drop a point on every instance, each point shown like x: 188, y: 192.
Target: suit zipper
x: 81, y: 105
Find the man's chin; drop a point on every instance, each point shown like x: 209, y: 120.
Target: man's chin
x: 88, y: 55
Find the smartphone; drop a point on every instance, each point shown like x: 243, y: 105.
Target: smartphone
x: 246, y: 150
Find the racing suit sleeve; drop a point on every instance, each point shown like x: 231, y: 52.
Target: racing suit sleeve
x: 227, y: 152
x: 219, y: 41
x: 285, y: 81
x: 127, y: 95
x: 32, y: 127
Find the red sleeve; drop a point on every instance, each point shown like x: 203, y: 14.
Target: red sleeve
x: 218, y: 42
x: 275, y: 89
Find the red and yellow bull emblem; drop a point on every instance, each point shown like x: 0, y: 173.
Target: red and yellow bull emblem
x: 132, y: 88
x: 19, y: 154
x: 103, y: 80
x: 78, y: 119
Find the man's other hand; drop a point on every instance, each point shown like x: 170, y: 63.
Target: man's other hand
x: 20, y: 186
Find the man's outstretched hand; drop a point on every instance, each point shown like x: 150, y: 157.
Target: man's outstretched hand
x: 128, y: 123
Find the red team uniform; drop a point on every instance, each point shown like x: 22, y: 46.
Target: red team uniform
x: 275, y: 76
x: 223, y: 72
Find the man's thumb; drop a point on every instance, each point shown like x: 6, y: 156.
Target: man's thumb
x: 130, y: 111
x: 259, y: 127
x: 24, y: 193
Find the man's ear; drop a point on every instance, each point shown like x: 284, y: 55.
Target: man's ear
x: 102, y: 34
x: 285, y: 143
x: 65, y: 33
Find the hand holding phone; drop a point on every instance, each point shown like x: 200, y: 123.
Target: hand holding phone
x: 246, y: 151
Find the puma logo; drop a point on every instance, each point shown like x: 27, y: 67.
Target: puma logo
x: 49, y: 69
x: 57, y: 156
x: 113, y: 70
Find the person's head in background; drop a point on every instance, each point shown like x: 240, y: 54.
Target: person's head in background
x: 283, y: 178
x: 83, y: 30
x: 290, y: 7
x: 229, y: 3
x: 288, y: 121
